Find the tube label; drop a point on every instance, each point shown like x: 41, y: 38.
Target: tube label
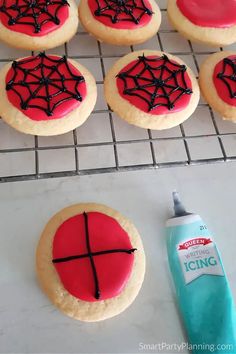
x: 199, y: 256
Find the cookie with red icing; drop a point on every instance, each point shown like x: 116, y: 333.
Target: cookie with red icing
x: 151, y: 89
x: 120, y: 22
x: 46, y: 94
x: 217, y: 80
x: 208, y: 21
x: 90, y: 261
x: 37, y: 24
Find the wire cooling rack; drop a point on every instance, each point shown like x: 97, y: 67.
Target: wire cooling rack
x: 105, y: 143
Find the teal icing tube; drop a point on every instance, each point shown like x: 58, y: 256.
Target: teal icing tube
x: 203, y: 293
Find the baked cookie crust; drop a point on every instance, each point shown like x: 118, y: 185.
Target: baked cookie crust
x: 134, y: 115
x: 18, y: 120
x: 119, y: 36
x: 208, y: 35
x: 208, y: 89
x: 53, y: 39
x: 52, y: 286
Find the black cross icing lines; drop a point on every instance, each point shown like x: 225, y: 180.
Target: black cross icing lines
x: 34, y: 82
x: 91, y: 256
x: 29, y: 12
x: 229, y: 80
x: 113, y: 9
x: 95, y: 276
x: 152, y: 88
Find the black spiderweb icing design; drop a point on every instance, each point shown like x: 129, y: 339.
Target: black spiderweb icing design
x: 39, y: 85
x: 91, y: 256
x: 150, y: 85
x: 229, y: 78
x: 33, y: 13
x: 122, y: 10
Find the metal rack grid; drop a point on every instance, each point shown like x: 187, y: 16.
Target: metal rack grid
x: 107, y: 144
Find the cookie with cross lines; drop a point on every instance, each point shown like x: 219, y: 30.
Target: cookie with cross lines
x: 46, y: 94
x: 37, y: 24
x: 120, y: 22
x: 90, y: 261
x: 217, y: 79
x: 152, y: 89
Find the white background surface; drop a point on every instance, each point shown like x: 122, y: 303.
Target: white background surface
x: 30, y: 324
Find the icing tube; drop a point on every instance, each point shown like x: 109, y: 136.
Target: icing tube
x: 202, y: 289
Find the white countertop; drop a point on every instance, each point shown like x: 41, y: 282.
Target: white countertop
x: 29, y: 323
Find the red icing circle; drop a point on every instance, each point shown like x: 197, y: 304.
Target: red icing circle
x: 34, y: 64
x: 221, y: 86
x: 125, y: 21
x: 209, y: 13
x: 113, y: 269
x: 55, y: 8
x: 166, y: 76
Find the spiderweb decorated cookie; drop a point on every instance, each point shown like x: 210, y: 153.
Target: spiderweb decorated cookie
x: 218, y: 83
x: 37, y: 24
x: 152, y: 89
x: 90, y: 262
x: 120, y: 22
x: 46, y: 94
x: 208, y: 21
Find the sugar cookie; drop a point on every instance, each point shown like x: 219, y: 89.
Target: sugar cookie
x: 120, y: 22
x: 90, y: 261
x: 37, y: 24
x: 151, y: 89
x: 208, y: 21
x: 217, y: 81
x: 46, y: 94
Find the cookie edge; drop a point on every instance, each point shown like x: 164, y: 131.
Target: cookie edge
x: 71, y: 306
x: 19, y: 121
x: 207, y: 35
x: 53, y: 39
x: 114, y: 36
x: 208, y: 89
x: 133, y: 115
